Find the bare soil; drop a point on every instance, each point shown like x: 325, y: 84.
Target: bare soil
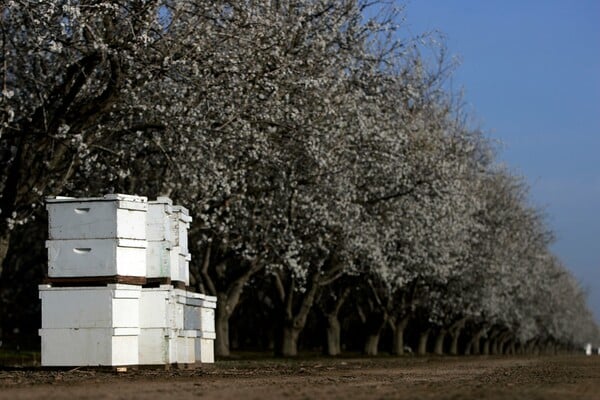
x: 564, y: 377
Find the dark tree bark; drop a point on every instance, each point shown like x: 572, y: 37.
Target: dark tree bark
x: 372, y: 344
x: 333, y: 328
x: 473, y: 346
x: 399, y: 327
x: 423, y: 338
x: 375, y: 319
x: 334, y: 331
x: 486, y: 347
x: 438, y: 348
x: 228, y: 293
x: 294, y: 322
x: 297, y: 306
x: 454, y: 333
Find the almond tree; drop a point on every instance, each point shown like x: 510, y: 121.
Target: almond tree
x: 416, y: 192
x: 94, y: 97
x: 78, y: 81
x: 273, y: 94
x: 507, y: 241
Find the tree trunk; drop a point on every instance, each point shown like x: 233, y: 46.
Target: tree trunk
x: 4, y: 242
x: 423, y: 337
x: 334, y: 347
x: 334, y: 330
x: 439, y: 342
x: 289, y: 341
x: 503, y: 347
x: 560, y: 349
x: 455, y: 335
x: 533, y: 347
x: 493, y: 338
x: 398, y: 345
x: 375, y: 322
x: 510, y: 347
x: 486, y: 347
x: 473, y: 344
x: 468, y: 348
x: 226, y: 303
x: 227, y: 300
x: 494, y: 347
x: 372, y: 344
x: 477, y: 344
x: 454, y: 332
x: 222, y: 328
x: 294, y: 322
x: 518, y: 348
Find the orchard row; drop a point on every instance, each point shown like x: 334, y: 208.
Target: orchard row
x: 326, y: 162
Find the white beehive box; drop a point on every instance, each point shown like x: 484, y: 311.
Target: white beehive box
x: 159, y: 262
x: 112, y: 216
x: 163, y: 261
x: 180, y: 265
x: 199, y: 315
x: 96, y: 257
x: 200, y: 312
x: 157, y: 308
x: 205, y: 347
x: 168, y: 321
x: 89, y: 346
x: 186, y: 347
x: 179, y: 301
x: 161, y: 319
x: 184, y: 267
x: 159, y: 221
x: 157, y: 346
x: 180, y: 225
x: 167, y: 251
x: 111, y: 306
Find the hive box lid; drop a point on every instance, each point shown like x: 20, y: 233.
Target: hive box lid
x: 200, y: 300
x: 106, y: 197
x: 202, y: 296
x: 124, y: 200
x: 184, y: 213
x: 162, y: 200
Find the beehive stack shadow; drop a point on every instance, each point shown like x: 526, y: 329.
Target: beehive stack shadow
x: 116, y: 292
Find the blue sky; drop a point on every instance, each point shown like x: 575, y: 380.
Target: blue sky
x: 531, y: 73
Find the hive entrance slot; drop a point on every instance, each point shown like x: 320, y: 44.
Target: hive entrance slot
x: 82, y: 210
x: 82, y: 250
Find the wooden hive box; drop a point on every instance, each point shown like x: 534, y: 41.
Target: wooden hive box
x: 110, y: 217
x: 89, y: 347
x: 96, y: 258
x: 88, y: 326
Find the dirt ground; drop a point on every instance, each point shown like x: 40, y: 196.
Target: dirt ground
x: 565, y: 377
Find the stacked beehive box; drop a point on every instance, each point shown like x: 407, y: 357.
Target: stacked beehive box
x: 177, y: 326
x: 90, y: 325
x: 117, y: 266
x: 158, y: 344
x: 168, y: 256
x: 97, y: 239
x: 199, y: 317
x: 88, y: 317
